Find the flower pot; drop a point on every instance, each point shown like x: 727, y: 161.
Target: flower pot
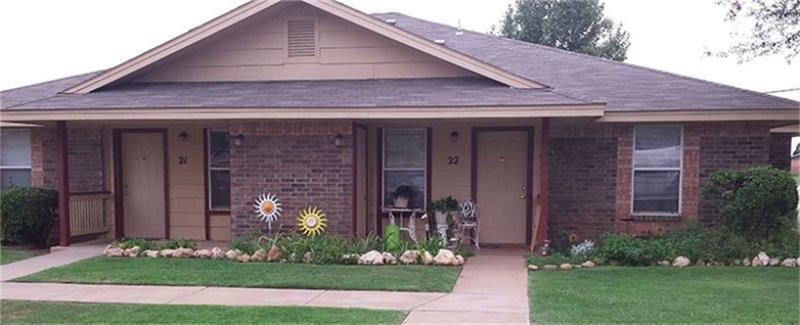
x: 401, y: 202
x: 441, y: 218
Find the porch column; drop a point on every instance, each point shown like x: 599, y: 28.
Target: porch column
x: 63, y: 184
x: 544, y: 181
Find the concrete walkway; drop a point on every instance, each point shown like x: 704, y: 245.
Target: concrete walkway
x: 492, y: 288
x: 58, y: 258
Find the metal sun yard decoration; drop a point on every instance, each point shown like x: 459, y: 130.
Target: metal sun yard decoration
x: 268, y: 208
x: 312, y: 221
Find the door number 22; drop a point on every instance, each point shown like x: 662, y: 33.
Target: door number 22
x: 452, y: 160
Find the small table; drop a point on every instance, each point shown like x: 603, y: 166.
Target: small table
x: 410, y: 227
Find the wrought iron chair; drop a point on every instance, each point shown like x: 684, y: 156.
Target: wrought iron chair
x: 467, y: 223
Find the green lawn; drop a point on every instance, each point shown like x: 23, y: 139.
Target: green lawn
x: 665, y: 295
x: 28, y: 312
x: 13, y: 254
x: 266, y: 275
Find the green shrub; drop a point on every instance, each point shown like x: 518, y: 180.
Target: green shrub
x: 555, y: 259
x: 431, y: 245
x: 245, y: 244
x: 28, y: 215
x: 135, y: 241
x: 181, y: 243
x: 754, y: 201
x: 634, y: 251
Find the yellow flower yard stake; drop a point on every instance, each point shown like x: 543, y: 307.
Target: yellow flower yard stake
x: 312, y: 221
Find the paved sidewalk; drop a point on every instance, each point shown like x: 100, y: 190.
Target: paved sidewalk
x: 492, y: 288
x: 40, y: 263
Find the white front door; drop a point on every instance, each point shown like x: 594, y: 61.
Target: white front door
x: 501, y: 186
x: 143, y: 185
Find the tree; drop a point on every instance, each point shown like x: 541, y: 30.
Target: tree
x: 773, y: 27
x: 578, y: 26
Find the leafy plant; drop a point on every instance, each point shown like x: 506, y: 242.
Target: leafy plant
x: 27, y: 215
x: 405, y: 191
x: 555, y: 259
x: 755, y: 202
x: 447, y: 204
x: 181, y: 243
x: 245, y: 244
x: 431, y: 245
x: 132, y: 242
x: 583, y: 249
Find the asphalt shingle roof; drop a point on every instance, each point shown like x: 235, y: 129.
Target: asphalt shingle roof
x: 334, y: 93
x: 571, y: 78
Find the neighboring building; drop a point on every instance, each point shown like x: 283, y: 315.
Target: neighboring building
x: 327, y: 106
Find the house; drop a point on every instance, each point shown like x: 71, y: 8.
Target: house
x: 326, y: 106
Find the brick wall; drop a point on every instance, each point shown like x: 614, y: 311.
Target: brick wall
x: 297, y: 161
x: 85, y: 154
x: 583, y: 179
x: 780, y: 154
x: 730, y: 146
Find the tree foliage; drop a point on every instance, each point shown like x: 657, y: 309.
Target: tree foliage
x: 578, y: 26
x: 773, y: 27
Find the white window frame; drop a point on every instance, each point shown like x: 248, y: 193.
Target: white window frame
x: 19, y: 167
x: 679, y: 169
x: 210, y: 169
x: 384, y: 169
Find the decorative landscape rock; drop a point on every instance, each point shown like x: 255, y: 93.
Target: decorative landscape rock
x: 217, y: 253
x: 274, y: 254
x: 681, y: 261
x: 427, y: 258
x: 388, y: 258
x: 533, y: 267
x: 133, y: 251
x: 700, y: 262
x: 746, y: 262
x: 203, y: 254
x: 183, y: 253
x: 460, y: 259
x: 566, y: 266
x: 789, y: 262
x: 350, y: 258
x: 445, y: 257
x: 774, y: 261
x: 108, y: 247
x: 409, y: 257
x: 761, y: 259
x: 166, y: 253
x: 664, y: 263
x: 259, y: 256
x: 550, y: 267
x: 587, y: 265
x: 115, y: 252
x: 151, y: 253
x: 308, y: 258
x: 371, y: 258
x: 233, y: 254
x: 244, y: 258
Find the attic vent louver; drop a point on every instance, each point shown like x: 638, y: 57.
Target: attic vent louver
x: 302, y: 38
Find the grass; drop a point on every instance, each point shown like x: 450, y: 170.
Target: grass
x: 191, y: 272
x: 28, y: 312
x: 665, y: 295
x: 13, y: 254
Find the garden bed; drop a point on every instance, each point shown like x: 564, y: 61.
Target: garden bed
x: 665, y: 295
x: 200, y: 272
x: 28, y: 312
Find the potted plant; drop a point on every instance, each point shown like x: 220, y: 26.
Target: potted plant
x: 402, y: 195
x: 442, y: 208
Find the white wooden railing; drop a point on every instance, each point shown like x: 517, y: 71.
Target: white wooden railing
x: 88, y: 213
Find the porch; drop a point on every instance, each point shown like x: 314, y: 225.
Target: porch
x: 343, y: 166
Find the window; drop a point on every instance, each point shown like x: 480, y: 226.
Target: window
x: 657, y: 162
x: 405, y: 161
x: 15, y: 158
x: 219, y: 171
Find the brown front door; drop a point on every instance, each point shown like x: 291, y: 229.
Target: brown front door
x: 502, y: 173
x: 143, y: 185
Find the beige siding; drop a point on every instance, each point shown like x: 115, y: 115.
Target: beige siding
x: 258, y: 52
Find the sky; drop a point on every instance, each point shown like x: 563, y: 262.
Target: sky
x: 48, y: 39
